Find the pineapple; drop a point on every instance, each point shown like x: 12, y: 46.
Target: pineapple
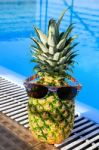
x: 51, y: 119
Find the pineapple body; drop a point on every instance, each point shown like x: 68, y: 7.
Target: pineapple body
x: 51, y: 119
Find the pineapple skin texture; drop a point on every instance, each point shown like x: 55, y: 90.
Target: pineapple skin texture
x: 51, y: 119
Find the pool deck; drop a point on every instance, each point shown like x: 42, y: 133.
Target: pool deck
x: 14, y: 137
x: 81, y: 108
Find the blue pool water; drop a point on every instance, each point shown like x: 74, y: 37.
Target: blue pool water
x: 16, y: 26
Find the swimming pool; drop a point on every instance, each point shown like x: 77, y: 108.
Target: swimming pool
x: 16, y: 21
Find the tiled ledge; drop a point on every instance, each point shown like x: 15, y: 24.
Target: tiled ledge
x: 12, y: 76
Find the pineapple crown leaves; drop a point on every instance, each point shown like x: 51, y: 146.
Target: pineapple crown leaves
x: 54, y: 53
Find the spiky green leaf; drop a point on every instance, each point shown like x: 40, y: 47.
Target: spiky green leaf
x: 36, y: 50
x: 61, y: 44
x: 44, y: 55
x: 61, y: 17
x: 41, y: 35
x: 67, y: 49
x: 51, y: 63
x: 72, y: 56
x: 34, y: 60
x: 40, y: 45
x: 69, y: 69
x: 69, y: 54
x: 51, y: 50
x: 51, y: 40
x: 53, y: 33
x: 36, y: 67
x: 42, y: 58
x: 62, y: 60
x: 70, y: 40
x: 67, y: 32
x: 56, y: 56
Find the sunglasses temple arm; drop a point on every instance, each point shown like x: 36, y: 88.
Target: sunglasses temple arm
x: 79, y: 86
x: 30, y: 79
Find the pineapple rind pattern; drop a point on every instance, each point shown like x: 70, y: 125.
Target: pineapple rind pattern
x: 51, y: 122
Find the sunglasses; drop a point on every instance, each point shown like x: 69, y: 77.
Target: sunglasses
x: 40, y: 91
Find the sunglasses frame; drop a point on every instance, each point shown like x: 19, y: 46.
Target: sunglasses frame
x: 54, y: 89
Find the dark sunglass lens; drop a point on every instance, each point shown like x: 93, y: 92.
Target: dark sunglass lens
x: 67, y: 92
x: 38, y: 91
